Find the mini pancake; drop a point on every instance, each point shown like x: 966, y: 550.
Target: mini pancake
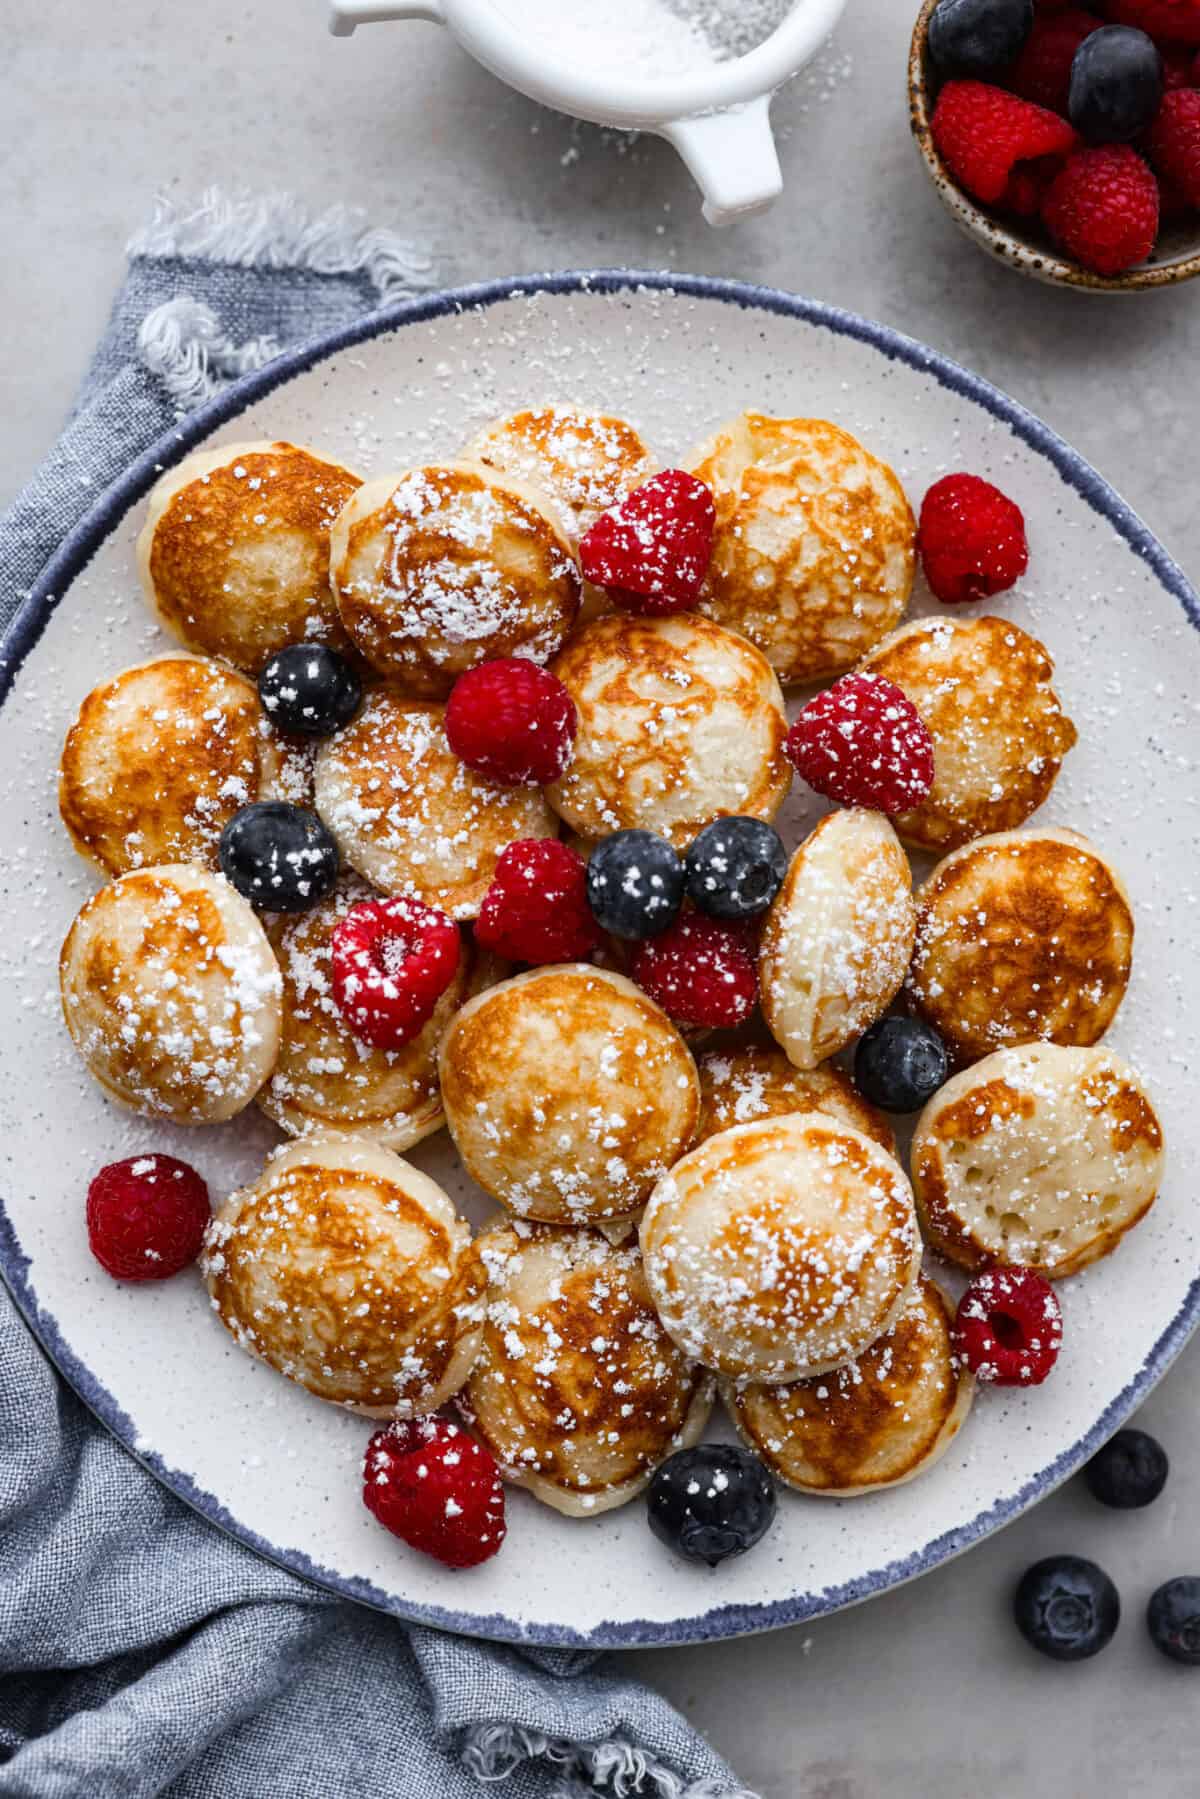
x: 568, y: 1093
x: 680, y: 723
x: 442, y: 568
x: 751, y: 1081
x: 234, y: 553
x: 837, y: 940
x: 815, y: 549
x: 584, y: 461
x: 779, y: 1249
x: 349, y: 1271
x: 326, y: 1079
x: 878, y: 1422
x: 983, y: 688
x: 172, y: 995
x: 1038, y: 1155
x: 1025, y: 935
x: 578, y: 1391
x: 412, y: 818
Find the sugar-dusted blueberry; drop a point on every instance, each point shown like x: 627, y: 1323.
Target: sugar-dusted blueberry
x: 310, y: 690
x: 635, y: 884
x: 279, y: 857
x: 978, y: 37
x: 711, y: 1502
x: 735, y: 867
x: 1067, y: 1608
x: 900, y: 1063
x: 1117, y: 81
x: 1129, y: 1472
x: 1173, y: 1619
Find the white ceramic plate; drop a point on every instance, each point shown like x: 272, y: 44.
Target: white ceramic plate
x: 281, y: 1470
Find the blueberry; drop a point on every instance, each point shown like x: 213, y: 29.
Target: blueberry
x: 1067, y: 1608
x: 735, y: 868
x: 710, y: 1503
x: 634, y: 884
x: 1130, y: 1471
x: 977, y: 37
x: 1116, y: 85
x: 309, y: 689
x: 900, y: 1063
x: 281, y: 858
x: 1173, y: 1619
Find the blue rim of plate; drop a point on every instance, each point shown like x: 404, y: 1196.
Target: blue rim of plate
x: 719, y: 1622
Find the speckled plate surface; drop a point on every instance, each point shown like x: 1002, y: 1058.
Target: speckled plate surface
x: 280, y: 1470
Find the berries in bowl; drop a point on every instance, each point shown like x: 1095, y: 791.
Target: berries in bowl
x: 1076, y: 158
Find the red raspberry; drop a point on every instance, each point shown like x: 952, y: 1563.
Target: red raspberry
x: 512, y: 722
x: 1042, y: 72
x: 1102, y: 208
x: 1176, y: 20
x: 536, y: 909
x: 652, y: 550
x: 392, y: 960
x: 1008, y: 1329
x: 863, y: 743
x: 971, y: 538
x: 1179, y: 66
x: 700, y: 971
x: 430, y: 1483
x: 146, y: 1217
x: 982, y: 133
x: 1028, y: 185
x: 1174, y: 143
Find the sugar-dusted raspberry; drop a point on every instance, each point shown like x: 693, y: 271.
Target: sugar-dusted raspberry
x: 1177, y: 21
x: 431, y: 1484
x: 1174, y: 143
x: 536, y: 909
x: 971, y: 538
x: 984, y: 133
x: 146, y: 1217
x: 651, y: 551
x: 391, y: 961
x: 1009, y: 1327
x: 863, y: 743
x: 1102, y: 208
x: 1042, y: 72
x: 701, y: 971
x: 512, y: 722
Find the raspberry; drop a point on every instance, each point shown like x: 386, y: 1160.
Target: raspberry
x: 146, y: 1217
x: 1174, y: 143
x: 863, y: 743
x: 536, y: 909
x: 1028, y: 185
x: 651, y: 552
x: 982, y: 133
x: 1179, y: 65
x: 1176, y: 20
x: 1008, y: 1329
x: 1103, y: 208
x: 431, y: 1484
x: 701, y: 972
x: 971, y: 538
x: 512, y: 722
x: 392, y: 960
x: 1042, y: 72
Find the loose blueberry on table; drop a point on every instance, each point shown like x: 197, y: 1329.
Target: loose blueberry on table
x: 1129, y: 1472
x: 1067, y: 1608
x: 1173, y: 1619
x: 711, y: 1503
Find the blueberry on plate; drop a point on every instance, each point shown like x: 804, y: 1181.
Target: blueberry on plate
x: 1173, y: 1619
x: 1116, y: 85
x: 735, y: 868
x: 634, y: 884
x: 710, y: 1503
x: 309, y: 689
x: 279, y: 857
x: 977, y: 37
x: 1129, y: 1472
x: 1067, y: 1608
x: 900, y: 1063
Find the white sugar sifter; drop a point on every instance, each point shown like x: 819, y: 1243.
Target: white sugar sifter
x: 715, y: 112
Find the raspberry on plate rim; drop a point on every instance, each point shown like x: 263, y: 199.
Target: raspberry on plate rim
x: 146, y: 1217
x: 430, y: 1483
x: 391, y: 960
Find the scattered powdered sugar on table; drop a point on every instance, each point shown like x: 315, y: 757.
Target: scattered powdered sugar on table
x: 647, y: 37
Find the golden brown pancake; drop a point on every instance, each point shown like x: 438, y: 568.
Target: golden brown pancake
x: 779, y: 1249
x: 1021, y: 936
x: 983, y: 688
x: 878, y: 1422
x: 816, y: 544
x: 1039, y: 1155
x: 578, y: 1391
x: 750, y: 1081
x: 412, y: 818
x: 680, y: 723
x: 234, y: 553
x: 568, y: 1093
x: 349, y: 1271
x: 585, y: 461
x: 442, y: 568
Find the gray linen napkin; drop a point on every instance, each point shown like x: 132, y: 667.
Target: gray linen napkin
x: 141, y: 1651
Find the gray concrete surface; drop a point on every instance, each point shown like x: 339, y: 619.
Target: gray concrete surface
x: 926, y: 1693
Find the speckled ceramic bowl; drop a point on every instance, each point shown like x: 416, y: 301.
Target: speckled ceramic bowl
x: 1021, y: 243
